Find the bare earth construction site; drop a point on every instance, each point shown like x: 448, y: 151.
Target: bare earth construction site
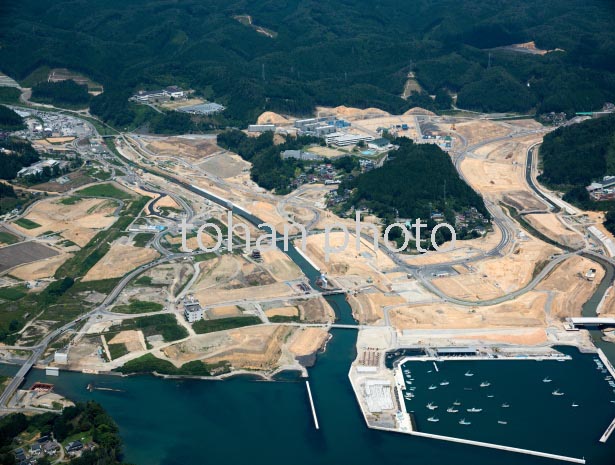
x: 150, y: 306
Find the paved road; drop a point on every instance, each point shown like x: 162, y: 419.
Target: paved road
x: 529, y: 165
x: 40, y: 348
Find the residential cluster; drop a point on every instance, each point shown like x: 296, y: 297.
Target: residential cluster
x: 41, y: 125
x: 327, y: 174
x: 45, y: 446
x: 471, y: 220
x: 445, y: 142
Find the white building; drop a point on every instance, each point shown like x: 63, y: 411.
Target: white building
x: 342, y: 139
x: 378, y: 395
x: 379, y: 144
x: 192, y: 310
x: 174, y: 91
x: 61, y: 357
x: 261, y: 127
x: 37, y: 168
x: 147, y: 95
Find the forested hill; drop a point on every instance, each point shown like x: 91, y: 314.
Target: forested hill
x: 416, y: 180
x: 574, y: 156
x: 314, y: 52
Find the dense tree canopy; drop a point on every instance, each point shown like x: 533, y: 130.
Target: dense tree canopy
x: 579, y: 154
x: 418, y: 179
x: 321, y: 53
x: 17, y: 153
x: 84, y: 418
x: 574, y: 156
x: 63, y: 93
x: 268, y: 170
x: 9, y: 120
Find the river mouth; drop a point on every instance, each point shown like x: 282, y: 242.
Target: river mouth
x: 169, y: 422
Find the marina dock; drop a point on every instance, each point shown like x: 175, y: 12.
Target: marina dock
x: 309, y: 391
x: 607, y: 434
x: 607, y: 364
x: 405, y: 417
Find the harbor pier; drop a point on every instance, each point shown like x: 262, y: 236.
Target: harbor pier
x: 404, y: 420
x: 607, y: 364
x: 309, y: 391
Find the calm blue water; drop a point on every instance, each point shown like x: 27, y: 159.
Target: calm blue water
x: 241, y: 421
x: 172, y: 422
x: 535, y: 418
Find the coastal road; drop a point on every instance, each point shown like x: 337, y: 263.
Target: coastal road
x: 40, y: 348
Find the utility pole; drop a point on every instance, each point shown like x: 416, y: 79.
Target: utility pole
x: 445, y: 193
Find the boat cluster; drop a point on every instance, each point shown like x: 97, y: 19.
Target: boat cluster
x: 409, y: 394
x: 608, y: 378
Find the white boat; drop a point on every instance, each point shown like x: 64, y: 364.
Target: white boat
x: 491, y: 396
x: 485, y: 384
x: 574, y: 404
x: 464, y: 422
x: 502, y: 422
x: 505, y: 405
x: 452, y: 410
x: 557, y: 393
x: 433, y: 419
x: 431, y: 406
x: 432, y: 387
x: 475, y: 410
x: 547, y: 380
x: 444, y: 383
x: 469, y: 373
x: 456, y: 403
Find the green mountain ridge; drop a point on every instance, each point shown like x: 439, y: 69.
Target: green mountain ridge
x: 352, y: 52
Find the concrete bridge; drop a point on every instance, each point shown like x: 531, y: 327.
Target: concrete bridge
x: 333, y: 292
x: 591, y: 321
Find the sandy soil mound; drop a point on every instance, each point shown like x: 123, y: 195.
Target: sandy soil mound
x: 419, y: 111
x: 269, y: 117
x: 350, y: 112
